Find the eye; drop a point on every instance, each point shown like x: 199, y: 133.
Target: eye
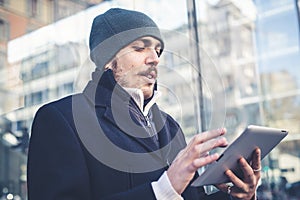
x: 138, y: 48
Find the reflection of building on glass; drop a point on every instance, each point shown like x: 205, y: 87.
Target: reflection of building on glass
x: 272, y: 83
x: 24, y: 16
x: 278, y: 58
x: 226, y: 53
x: 13, y: 149
x: 46, y: 75
x: 281, y: 109
x: 18, y: 140
x: 18, y: 18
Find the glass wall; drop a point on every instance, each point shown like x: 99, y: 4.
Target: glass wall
x: 277, y: 40
x: 246, y: 58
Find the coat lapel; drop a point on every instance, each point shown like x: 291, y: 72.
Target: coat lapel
x: 129, y: 130
x: 111, y: 103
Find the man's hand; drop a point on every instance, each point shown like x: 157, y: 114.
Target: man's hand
x: 194, y: 156
x: 245, y: 187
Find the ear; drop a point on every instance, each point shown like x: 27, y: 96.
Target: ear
x: 111, y: 64
x: 107, y: 66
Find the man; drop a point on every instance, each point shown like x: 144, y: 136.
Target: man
x: 112, y: 141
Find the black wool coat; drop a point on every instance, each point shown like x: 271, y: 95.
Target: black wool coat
x: 95, y: 145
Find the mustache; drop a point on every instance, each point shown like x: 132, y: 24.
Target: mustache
x: 148, y: 71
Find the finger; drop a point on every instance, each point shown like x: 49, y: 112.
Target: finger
x: 234, y: 179
x: 203, y: 137
x: 248, y: 174
x: 256, y: 161
x: 204, y: 154
x: 208, y: 135
x: 202, y: 150
x: 202, y: 161
x: 207, y: 146
x: 241, y: 191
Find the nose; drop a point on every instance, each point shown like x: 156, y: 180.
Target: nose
x: 152, y: 57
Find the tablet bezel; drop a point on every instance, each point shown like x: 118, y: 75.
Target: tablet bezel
x: 265, y: 138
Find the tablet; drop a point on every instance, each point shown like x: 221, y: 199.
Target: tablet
x: 253, y: 136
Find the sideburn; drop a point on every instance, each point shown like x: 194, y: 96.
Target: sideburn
x: 115, y: 69
x: 114, y: 64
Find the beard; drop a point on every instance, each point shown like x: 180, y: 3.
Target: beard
x: 134, y: 76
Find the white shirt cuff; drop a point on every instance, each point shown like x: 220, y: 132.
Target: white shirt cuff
x: 163, y: 189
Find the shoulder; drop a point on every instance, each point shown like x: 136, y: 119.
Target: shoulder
x: 63, y: 105
x: 57, y: 112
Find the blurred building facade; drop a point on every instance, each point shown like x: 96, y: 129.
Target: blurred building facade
x: 23, y: 16
x: 247, y: 80
x: 278, y: 49
x: 18, y: 18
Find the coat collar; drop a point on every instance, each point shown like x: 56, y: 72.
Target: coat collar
x: 103, y: 91
x: 101, y: 88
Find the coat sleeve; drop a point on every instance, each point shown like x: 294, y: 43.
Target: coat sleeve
x: 56, y: 164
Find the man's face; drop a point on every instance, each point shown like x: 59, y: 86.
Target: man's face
x: 135, y: 66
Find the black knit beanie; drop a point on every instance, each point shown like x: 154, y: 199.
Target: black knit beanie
x: 115, y: 29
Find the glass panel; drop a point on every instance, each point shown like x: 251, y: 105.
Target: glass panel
x: 248, y: 66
